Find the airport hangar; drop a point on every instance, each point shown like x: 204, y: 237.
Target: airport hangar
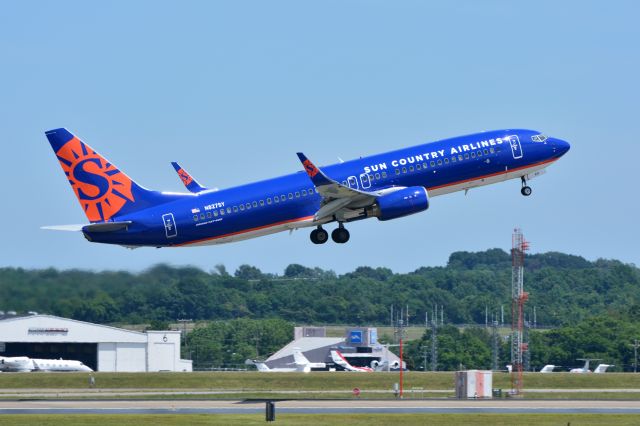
x: 359, y: 346
x: 100, y: 347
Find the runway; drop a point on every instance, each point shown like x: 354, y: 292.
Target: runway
x: 433, y: 406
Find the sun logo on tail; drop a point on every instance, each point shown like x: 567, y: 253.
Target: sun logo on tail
x: 185, y: 177
x: 100, y: 187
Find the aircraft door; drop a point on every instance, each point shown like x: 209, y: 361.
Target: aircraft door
x: 170, y: 228
x: 516, y: 148
x: 365, y: 181
x: 352, y: 182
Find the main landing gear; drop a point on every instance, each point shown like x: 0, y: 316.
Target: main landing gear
x: 339, y: 235
x: 525, y: 190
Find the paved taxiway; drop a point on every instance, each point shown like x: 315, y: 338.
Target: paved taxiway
x: 439, y: 406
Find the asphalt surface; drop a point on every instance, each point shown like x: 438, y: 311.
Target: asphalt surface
x: 436, y: 406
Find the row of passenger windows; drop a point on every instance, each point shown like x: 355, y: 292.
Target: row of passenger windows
x: 277, y: 199
x: 447, y: 160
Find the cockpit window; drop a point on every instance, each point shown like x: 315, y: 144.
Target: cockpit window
x: 538, y: 138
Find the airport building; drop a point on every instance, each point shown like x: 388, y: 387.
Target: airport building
x: 359, y: 346
x: 100, y: 347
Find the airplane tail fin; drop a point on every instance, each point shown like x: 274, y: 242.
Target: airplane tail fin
x: 103, y: 191
x: 299, y: 358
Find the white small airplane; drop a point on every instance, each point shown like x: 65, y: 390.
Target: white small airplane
x: 585, y: 368
x: 301, y: 363
x: 548, y: 368
x: 340, y: 360
x: 26, y: 364
x: 602, y: 368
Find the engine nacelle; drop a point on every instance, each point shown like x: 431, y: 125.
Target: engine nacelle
x: 402, y: 202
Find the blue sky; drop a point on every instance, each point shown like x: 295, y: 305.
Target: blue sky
x: 233, y: 89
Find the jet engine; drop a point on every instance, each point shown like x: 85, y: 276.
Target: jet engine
x: 402, y: 202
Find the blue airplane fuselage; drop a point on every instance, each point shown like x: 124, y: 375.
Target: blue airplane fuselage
x: 291, y: 201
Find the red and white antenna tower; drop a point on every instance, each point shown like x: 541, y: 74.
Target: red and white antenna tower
x: 518, y: 299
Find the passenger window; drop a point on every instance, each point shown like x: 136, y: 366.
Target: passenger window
x: 221, y: 212
x: 276, y: 199
x: 242, y: 207
x: 384, y: 175
x: 304, y: 192
x: 215, y: 213
x: 479, y: 153
x: 297, y: 194
x: 433, y: 164
x: 283, y: 198
x: 208, y: 215
x: 310, y: 191
x: 248, y: 206
x: 439, y: 162
x: 410, y: 168
x: 491, y: 150
x: 254, y: 203
x: 269, y: 200
x: 195, y: 217
x: 201, y: 215
x: 473, y: 155
x: 460, y: 157
x: 453, y: 159
x: 397, y: 171
x: 404, y: 170
x: 424, y: 165
x: 486, y: 152
x: 378, y: 176
x: 466, y: 156
x: 235, y: 209
x: 229, y: 210
x: 290, y: 196
x: 261, y: 203
x: 418, y: 166
x: 446, y: 161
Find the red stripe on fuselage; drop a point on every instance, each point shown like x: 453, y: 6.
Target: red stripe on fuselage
x: 492, y: 174
x: 244, y: 231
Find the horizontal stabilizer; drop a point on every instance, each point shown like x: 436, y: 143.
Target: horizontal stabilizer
x: 107, y: 226
x: 68, y: 228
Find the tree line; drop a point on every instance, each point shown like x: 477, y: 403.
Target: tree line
x: 564, y: 288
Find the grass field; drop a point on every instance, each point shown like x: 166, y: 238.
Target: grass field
x: 303, y: 381
x: 324, y: 419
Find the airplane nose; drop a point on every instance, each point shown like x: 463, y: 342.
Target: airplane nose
x: 560, y: 146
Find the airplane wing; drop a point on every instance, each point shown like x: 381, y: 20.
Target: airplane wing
x: 189, y: 182
x: 335, y: 196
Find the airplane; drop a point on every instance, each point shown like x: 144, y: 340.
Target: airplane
x: 26, y: 364
x: 385, y: 186
x: 340, y: 360
x: 548, y: 368
x: 585, y: 368
x: 602, y: 368
x: 302, y: 364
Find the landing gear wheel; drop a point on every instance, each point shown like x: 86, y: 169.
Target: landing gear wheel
x: 319, y: 236
x: 526, y: 190
x: 340, y: 235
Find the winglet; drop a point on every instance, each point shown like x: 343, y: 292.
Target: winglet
x: 188, y: 181
x: 317, y: 176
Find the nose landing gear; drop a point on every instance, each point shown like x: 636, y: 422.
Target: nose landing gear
x: 525, y: 190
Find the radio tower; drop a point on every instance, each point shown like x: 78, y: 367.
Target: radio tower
x: 518, y: 299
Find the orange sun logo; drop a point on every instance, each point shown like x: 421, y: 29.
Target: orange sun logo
x: 185, y: 177
x: 100, y: 187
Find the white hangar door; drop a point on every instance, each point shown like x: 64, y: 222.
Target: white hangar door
x: 163, y: 357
